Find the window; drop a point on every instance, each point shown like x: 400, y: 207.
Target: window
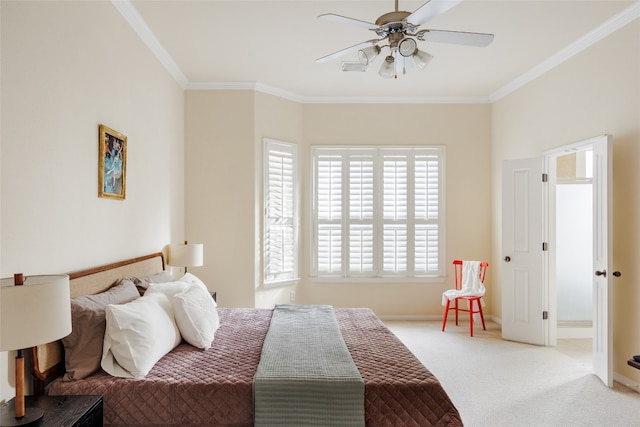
x: 280, y: 248
x: 378, y: 212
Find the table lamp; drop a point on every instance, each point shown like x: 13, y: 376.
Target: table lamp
x: 34, y: 310
x: 187, y: 255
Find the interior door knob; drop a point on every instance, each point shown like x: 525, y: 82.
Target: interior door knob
x: 617, y: 274
x: 602, y: 273
x: 507, y: 258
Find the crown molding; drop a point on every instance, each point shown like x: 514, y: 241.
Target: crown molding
x: 256, y: 86
x: 132, y: 16
x: 398, y: 100
x: 610, y: 26
x: 259, y: 87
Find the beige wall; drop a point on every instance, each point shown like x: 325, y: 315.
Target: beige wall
x: 465, y: 132
x: 220, y: 179
x: 281, y: 120
x: 224, y: 129
x: 67, y: 67
x: 596, y: 92
x: 224, y: 137
x: 224, y: 133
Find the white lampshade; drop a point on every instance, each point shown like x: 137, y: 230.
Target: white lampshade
x: 37, y: 312
x: 185, y: 255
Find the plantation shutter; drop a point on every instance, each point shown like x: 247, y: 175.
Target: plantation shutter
x: 361, y: 214
x: 377, y: 212
x: 395, y: 214
x: 329, y: 214
x: 427, y: 213
x: 280, y: 251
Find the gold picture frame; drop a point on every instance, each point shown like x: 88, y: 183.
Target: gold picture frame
x: 112, y: 163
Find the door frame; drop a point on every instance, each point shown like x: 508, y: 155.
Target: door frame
x: 604, y: 355
x: 602, y: 259
x: 549, y: 227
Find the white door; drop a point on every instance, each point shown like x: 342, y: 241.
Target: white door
x: 523, y: 262
x: 602, y: 259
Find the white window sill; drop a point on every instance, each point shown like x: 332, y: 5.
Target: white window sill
x: 391, y: 280
x: 280, y: 284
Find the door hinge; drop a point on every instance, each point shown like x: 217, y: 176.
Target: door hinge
x: 545, y: 246
x: 545, y: 315
x: 545, y: 177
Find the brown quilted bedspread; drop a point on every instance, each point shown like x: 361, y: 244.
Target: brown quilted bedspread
x: 213, y: 388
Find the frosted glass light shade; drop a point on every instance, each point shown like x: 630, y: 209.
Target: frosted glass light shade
x: 353, y: 66
x: 37, y: 312
x: 387, y: 70
x: 422, y: 59
x: 368, y: 54
x: 186, y: 255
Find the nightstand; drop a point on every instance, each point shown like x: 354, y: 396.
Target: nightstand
x: 62, y: 411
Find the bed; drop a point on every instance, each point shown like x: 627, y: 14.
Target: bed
x: 213, y: 387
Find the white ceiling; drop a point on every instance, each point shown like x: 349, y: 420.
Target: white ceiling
x: 273, y: 45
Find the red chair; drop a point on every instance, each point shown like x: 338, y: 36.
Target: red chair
x: 457, y: 267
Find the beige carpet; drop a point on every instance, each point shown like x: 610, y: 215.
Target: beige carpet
x: 501, y: 383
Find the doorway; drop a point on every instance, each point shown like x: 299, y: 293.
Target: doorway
x: 574, y: 249
x: 574, y: 253
x: 529, y: 274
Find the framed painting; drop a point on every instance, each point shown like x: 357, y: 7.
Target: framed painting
x: 112, y: 164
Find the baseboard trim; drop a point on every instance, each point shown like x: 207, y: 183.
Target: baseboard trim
x: 427, y: 317
x: 410, y: 317
x: 626, y: 382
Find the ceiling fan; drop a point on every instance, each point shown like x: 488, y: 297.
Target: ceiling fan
x: 398, y: 31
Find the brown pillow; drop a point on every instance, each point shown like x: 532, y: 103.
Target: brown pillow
x: 83, y: 347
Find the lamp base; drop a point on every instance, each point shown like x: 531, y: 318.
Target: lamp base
x: 32, y: 416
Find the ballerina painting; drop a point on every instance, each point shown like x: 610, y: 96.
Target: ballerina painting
x: 112, y: 163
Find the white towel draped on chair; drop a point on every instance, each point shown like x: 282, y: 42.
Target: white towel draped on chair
x: 471, y: 284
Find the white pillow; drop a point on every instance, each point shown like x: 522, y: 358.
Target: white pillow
x: 138, y: 334
x: 192, y: 279
x: 170, y: 289
x: 197, y: 316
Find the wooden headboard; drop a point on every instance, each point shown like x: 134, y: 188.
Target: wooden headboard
x: 48, y: 359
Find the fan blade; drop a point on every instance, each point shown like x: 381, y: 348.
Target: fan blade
x: 430, y: 10
x: 338, y: 19
x: 347, y: 50
x: 456, y: 37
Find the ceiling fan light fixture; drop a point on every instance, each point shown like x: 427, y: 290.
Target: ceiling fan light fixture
x: 421, y: 59
x: 401, y: 31
x: 407, y: 47
x: 388, y: 68
x: 368, y: 54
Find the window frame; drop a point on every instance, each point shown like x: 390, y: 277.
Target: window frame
x: 437, y: 275
x: 268, y: 279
